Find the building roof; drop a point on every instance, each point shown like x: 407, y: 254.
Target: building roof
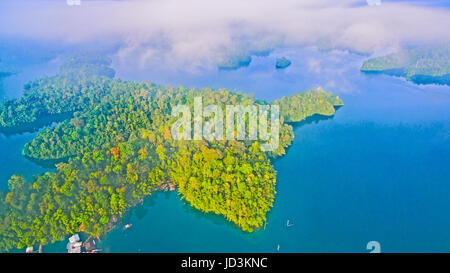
x: 74, y: 238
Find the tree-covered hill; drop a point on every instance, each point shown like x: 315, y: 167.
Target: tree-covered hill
x: 421, y: 65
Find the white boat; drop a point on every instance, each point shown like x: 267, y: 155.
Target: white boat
x: 288, y: 224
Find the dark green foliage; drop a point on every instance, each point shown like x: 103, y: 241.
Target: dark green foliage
x: 282, y: 63
x: 75, y: 88
x: 299, y: 106
x: 85, y: 66
x: 422, y: 65
x: 235, y: 60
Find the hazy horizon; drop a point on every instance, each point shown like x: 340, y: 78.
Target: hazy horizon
x: 199, y: 33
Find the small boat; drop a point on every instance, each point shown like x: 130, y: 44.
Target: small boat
x: 288, y: 224
x: 127, y: 226
x: 265, y: 224
x: 278, y: 247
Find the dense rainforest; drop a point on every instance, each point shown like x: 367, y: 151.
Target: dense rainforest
x: 119, y: 150
x: 420, y: 65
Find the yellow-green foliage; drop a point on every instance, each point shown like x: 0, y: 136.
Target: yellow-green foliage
x: 299, y: 106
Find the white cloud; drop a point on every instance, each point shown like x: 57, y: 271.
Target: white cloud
x: 374, y: 2
x: 194, y: 33
x: 314, y: 65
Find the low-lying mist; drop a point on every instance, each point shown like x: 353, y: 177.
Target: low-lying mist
x: 197, y: 34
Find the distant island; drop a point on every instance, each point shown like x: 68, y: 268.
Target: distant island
x: 421, y: 65
x: 4, y: 74
x: 242, y: 57
x: 282, y: 63
x: 233, y: 62
x: 5, y: 71
x: 118, y: 149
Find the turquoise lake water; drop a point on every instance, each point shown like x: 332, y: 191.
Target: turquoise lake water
x: 379, y: 170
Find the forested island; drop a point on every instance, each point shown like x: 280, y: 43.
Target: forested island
x: 242, y: 57
x: 282, y: 63
x: 118, y: 150
x: 235, y: 61
x: 420, y: 65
